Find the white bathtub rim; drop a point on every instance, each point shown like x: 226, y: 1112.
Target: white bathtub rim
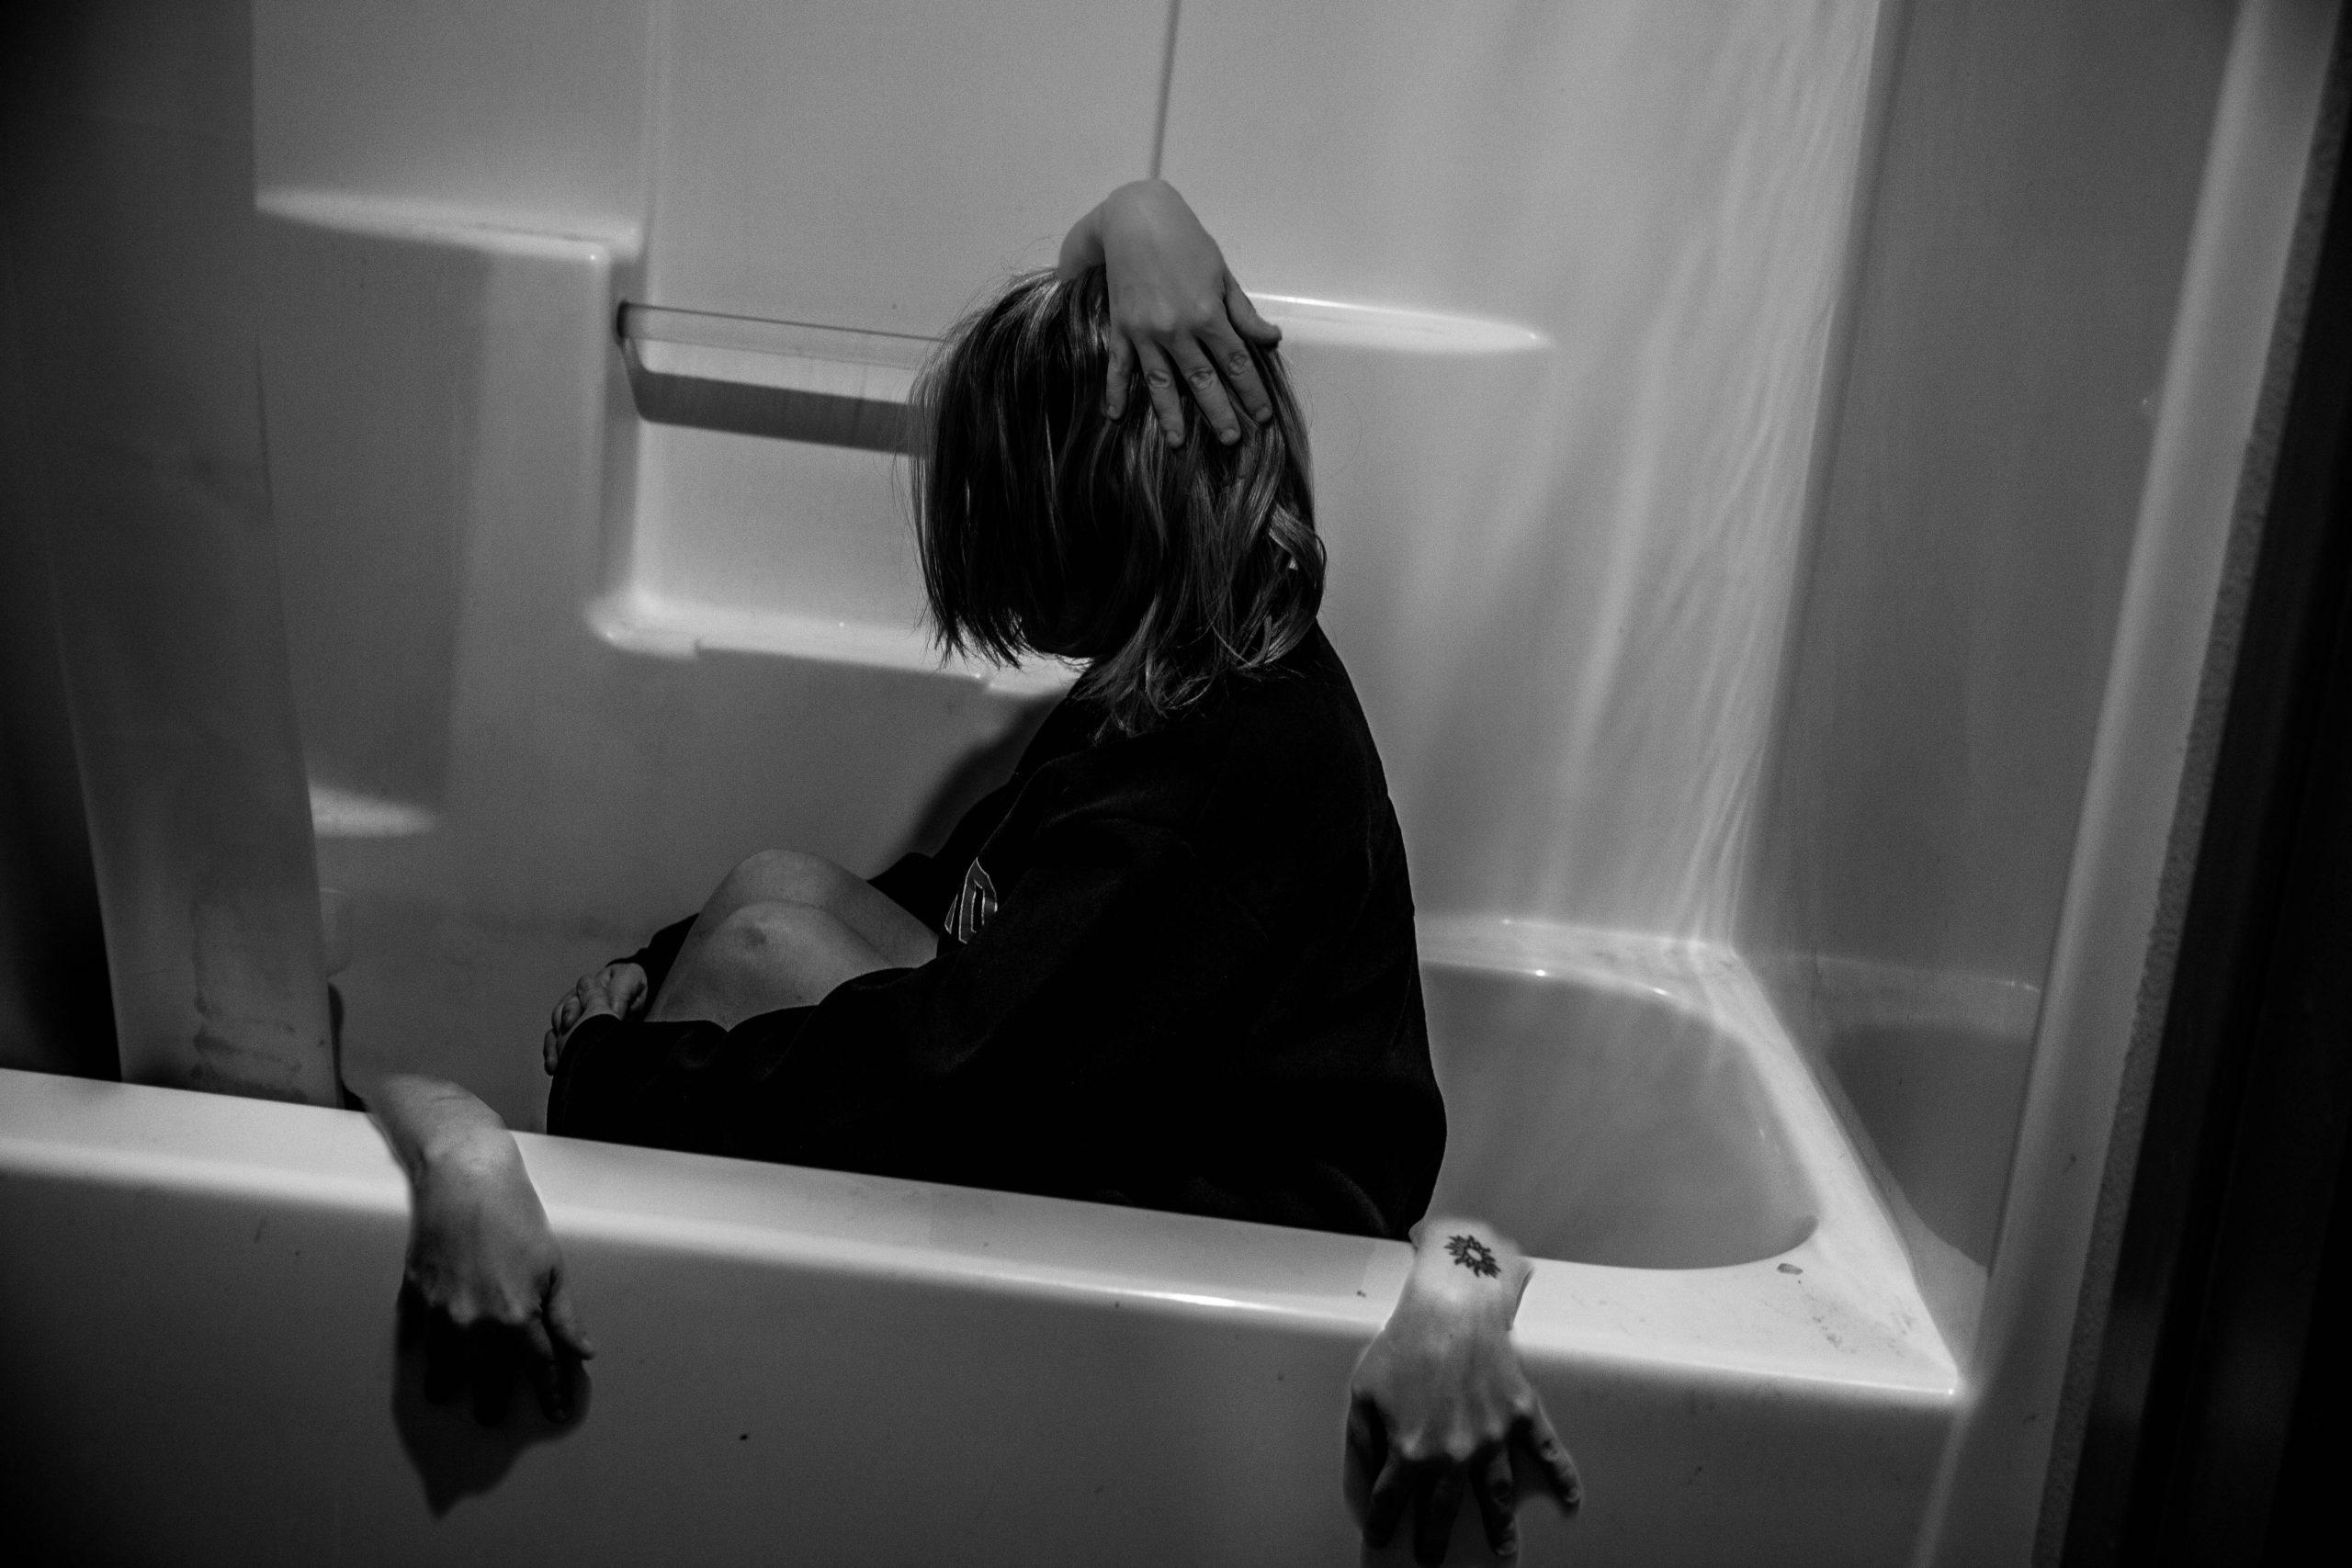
x: 1747, y: 1325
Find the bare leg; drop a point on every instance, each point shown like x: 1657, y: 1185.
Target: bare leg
x: 787, y: 876
x: 758, y: 957
x: 782, y: 929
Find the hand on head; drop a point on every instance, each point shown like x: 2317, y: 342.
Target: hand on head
x: 1177, y: 313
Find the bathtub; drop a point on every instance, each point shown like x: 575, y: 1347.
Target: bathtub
x: 199, y: 1360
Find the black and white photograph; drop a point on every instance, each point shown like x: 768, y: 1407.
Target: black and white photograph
x: 1193, y: 782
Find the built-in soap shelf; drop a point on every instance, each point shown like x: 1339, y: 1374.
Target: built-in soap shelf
x: 791, y: 381
x: 798, y: 381
x: 740, y: 545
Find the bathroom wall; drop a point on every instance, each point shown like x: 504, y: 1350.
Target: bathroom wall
x: 859, y: 168
x: 528, y: 112
x: 2037, y: 179
x: 1558, y: 282
x: 1561, y: 575
x: 1562, y: 580
x: 129, y: 223
x: 558, y: 665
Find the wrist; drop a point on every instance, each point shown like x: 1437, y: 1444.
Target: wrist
x: 469, y: 1152
x: 1141, y: 212
x: 1455, y: 1293
x: 1466, y: 1264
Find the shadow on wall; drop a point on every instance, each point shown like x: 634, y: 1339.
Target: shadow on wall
x: 981, y: 770
x: 368, y: 498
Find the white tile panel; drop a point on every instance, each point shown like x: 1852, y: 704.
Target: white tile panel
x: 873, y: 166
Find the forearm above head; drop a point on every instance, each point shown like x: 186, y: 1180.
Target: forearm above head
x: 1142, y: 204
x: 433, y: 1124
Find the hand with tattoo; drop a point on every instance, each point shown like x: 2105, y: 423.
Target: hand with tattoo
x: 1439, y: 1402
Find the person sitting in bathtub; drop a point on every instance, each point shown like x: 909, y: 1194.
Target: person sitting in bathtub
x: 1169, y: 963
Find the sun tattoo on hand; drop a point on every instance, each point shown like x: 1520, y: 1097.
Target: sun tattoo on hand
x: 1474, y: 1255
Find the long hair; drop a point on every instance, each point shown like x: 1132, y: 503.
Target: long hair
x: 1045, y: 527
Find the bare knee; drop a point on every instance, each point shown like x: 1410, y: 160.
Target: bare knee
x: 782, y: 954
x: 782, y: 876
x: 760, y: 936
x: 758, y: 951
x: 757, y: 957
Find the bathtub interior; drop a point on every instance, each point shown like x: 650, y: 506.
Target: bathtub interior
x: 1939, y: 1103
x: 1609, y: 1123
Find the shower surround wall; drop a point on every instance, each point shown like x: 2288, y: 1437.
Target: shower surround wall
x: 1563, y: 582
x: 1564, y: 408
x: 2015, y: 298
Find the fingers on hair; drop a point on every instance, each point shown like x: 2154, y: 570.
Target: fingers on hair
x: 1047, y: 527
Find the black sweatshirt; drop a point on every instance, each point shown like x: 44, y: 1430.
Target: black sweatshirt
x: 1175, y: 970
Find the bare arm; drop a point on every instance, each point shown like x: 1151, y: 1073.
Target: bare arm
x: 480, y: 1253
x: 1439, y: 1402
x: 432, y: 1124
x: 1176, y: 309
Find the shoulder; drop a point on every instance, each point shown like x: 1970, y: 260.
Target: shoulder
x: 1297, y: 818
x: 1290, y: 732
x: 1272, y: 789
x: 1297, y: 777
x: 1302, y: 716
